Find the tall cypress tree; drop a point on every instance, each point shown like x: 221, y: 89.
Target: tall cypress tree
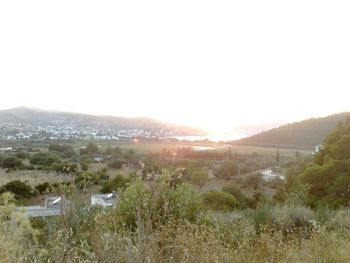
x: 278, y: 156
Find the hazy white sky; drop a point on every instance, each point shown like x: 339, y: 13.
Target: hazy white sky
x: 212, y: 64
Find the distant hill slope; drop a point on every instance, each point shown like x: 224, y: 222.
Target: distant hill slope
x: 29, y: 116
x: 305, y: 134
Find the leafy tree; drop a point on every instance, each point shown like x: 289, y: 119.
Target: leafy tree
x: 38, y: 158
x: 254, y: 180
x: 292, y: 190
x: 18, y: 188
x: 11, y: 162
x: 327, y: 176
x: 339, y: 191
x: 227, y: 170
x: 91, y: 149
x: 229, y: 154
x: 199, y: 178
x: 278, y: 156
x: 42, y: 188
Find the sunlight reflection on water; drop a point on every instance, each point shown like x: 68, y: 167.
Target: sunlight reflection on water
x: 212, y: 138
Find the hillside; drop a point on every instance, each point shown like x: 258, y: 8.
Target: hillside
x: 305, y: 134
x: 37, y: 117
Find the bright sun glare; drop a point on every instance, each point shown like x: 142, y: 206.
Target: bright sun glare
x: 210, y: 65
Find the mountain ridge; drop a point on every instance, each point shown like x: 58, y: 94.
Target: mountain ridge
x: 305, y: 134
x: 34, y: 116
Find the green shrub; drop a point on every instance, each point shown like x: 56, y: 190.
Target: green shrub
x: 45, y: 159
x: 64, y: 150
x: 235, y: 190
x: 18, y: 188
x: 11, y: 162
x: 42, y: 188
x: 294, y: 220
x: 220, y: 201
x: 227, y: 170
x: 254, y: 181
x: 38, y: 158
x: 119, y: 181
x: 116, y: 164
x: 259, y: 197
x: 18, y: 241
x: 260, y: 217
x: 199, y: 178
x: 84, y: 166
x: 339, y: 221
x: 22, y: 155
x: 157, y: 204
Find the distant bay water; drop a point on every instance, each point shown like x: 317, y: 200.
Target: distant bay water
x: 212, y: 138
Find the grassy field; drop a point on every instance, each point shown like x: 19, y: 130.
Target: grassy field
x: 36, y: 177
x: 153, y: 147
x: 32, y: 177
x: 156, y: 147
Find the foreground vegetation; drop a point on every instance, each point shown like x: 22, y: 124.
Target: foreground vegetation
x: 160, y: 223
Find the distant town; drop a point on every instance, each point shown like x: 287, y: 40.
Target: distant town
x: 10, y: 131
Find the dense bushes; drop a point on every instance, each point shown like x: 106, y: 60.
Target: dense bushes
x: 117, y: 164
x: 159, y: 223
x: 235, y: 191
x: 84, y: 179
x: 199, y: 178
x: 65, y: 150
x: 42, y: 188
x: 17, y: 238
x: 45, y: 159
x: 157, y: 204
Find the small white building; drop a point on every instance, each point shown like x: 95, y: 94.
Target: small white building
x: 98, y: 159
x: 105, y: 200
x: 54, y: 201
